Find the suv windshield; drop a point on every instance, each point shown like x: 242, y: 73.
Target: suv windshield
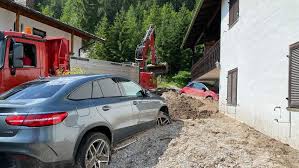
x: 2, y: 47
x: 32, y: 90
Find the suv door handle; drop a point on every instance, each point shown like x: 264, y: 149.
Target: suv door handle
x: 135, y: 102
x: 106, y: 108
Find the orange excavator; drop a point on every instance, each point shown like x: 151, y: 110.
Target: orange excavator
x: 149, y: 72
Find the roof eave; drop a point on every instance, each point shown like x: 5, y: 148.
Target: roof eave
x: 25, y: 11
x: 191, y: 24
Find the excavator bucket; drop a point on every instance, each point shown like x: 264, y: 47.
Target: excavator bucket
x: 158, y: 69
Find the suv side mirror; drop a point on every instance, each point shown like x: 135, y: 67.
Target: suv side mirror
x: 140, y: 93
x: 18, y: 54
x: 204, y: 89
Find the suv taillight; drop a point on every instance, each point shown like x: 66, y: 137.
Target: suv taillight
x: 36, y: 120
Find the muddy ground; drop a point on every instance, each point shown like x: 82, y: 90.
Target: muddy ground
x: 201, y: 137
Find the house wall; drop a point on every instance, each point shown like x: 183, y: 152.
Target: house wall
x: 7, y: 19
x: 258, y: 45
x: 51, y: 31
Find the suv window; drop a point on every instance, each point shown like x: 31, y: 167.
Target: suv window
x: 32, y: 90
x: 109, y: 88
x: 81, y: 93
x: 130, y: 88
x: 96, y: 90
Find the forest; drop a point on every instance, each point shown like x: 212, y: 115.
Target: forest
x: 123, y: 23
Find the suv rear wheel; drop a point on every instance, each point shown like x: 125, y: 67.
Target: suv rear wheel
x: 94, y: 152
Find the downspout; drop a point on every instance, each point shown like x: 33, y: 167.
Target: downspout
x: 85, y: 46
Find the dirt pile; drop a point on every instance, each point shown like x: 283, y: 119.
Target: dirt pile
x: 188, y: 107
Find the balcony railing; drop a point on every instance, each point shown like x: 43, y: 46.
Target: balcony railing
x: 207, y: 62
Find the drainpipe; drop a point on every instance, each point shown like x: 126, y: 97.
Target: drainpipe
x: 285, y: 122
x: 85, y: 46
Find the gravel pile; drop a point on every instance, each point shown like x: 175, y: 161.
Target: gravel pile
x: 203, y: 141
x: 146, y: 147
x: 220, y: 141
x: 187, y: 107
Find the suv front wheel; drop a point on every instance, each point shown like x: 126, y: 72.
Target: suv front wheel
x: 94, y: 152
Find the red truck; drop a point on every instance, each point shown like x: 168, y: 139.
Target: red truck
x: 24, y: 57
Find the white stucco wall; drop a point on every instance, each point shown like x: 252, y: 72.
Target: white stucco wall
x: 51, y: 31
x: 7, y: 19
x: 258, y: 45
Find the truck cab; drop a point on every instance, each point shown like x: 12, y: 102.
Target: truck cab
x: 25, y: 57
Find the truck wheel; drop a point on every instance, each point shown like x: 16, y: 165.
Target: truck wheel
x: 163, y: 119
x: 94, y: 151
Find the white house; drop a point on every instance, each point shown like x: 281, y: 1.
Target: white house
x: 15, y: 16
x: 259, y: 61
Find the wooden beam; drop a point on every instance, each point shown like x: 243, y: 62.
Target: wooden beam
x: 17, y: 23
x: 72, y: 43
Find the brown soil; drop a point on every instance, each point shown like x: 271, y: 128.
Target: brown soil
x: 188, y: 107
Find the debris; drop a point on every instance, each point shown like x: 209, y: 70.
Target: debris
x: 123, y: 146
x: 204, y: 140
x: 188, y: 107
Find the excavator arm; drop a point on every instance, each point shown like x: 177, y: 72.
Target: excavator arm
x: 148, y: 73
x: 147, y: 43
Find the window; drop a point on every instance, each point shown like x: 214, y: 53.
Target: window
x: 2, y: 51
x: 232, y: 80
x: 233, y: 12
x: 199, y: 86
x: 32, y: 90
x: 29, y: 59
x: 109, y: 88
x: 96, y: 90
x: 294, y: 76
x: 38, y: 32
x: 130, y: 88
x: 82, y: 93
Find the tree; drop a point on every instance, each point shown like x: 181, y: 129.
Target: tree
x: 123, y: 24
x: 71, y: 13
x: 99, y: 49
x: 51, y: 8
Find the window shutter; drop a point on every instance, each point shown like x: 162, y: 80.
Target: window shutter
x: 233, y: 11
x: 229, y: 90
x: 236, y: 6
x: 234, y: 87
x: 294, y: 76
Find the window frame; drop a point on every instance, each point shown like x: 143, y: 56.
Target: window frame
x: 232, y: 102
x: 234, y: 11
x: 77, y: 88
x: 26, y: 43
x: 291, y: 48
x: 3, y: 53
x: 96, y: 81
x: 117, y: 83
x: 123, y: 92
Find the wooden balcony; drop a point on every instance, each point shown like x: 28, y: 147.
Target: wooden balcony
x: 207, y: 63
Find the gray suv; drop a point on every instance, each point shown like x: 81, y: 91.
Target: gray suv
x: 73, y: 120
